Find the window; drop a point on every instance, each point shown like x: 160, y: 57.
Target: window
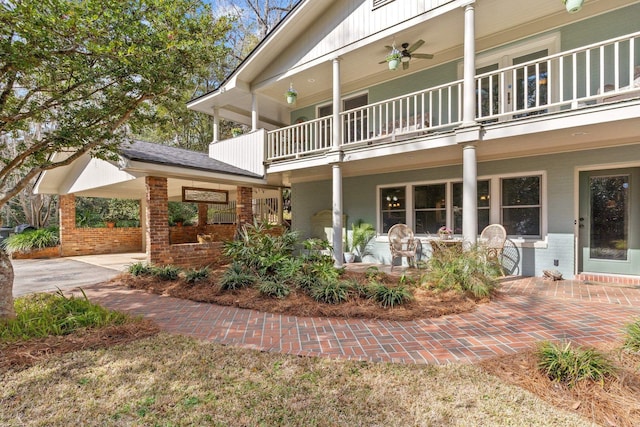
x: 521, y: 208
x: 355, y: 124
x: 516, y: 201
x: 380, y: 3
x: 393, y: 207
x: 484, y: 195
x: 430, y: 208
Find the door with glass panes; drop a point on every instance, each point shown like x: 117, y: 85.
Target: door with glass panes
x: 609, y: 221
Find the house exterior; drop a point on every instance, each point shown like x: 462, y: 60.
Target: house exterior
x: 502, y: 111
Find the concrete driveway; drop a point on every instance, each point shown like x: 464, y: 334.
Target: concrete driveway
x: 46, y: 275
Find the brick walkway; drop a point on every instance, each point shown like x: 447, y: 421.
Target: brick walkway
x: 528, y: 310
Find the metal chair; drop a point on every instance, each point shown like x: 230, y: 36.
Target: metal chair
x: 492, y: 240
x: 402, y: 244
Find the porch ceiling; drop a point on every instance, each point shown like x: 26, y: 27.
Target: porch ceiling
x: 497, y: 22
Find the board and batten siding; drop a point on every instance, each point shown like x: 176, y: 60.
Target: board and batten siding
x: 244, y: 151
x: 345, y: 23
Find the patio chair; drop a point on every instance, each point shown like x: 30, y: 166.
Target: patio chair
x: 492, y: 240
x: 402, y: 244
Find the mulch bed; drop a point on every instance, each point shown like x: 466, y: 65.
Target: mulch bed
x: 615, y: 402
x: 26, y: 353
x: 427, y: 303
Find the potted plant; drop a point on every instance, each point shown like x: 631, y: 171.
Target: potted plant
x: 291, y: 94
x: 393, y: 59
x: 444, y: 232
x: 349, y: 256
x: 236, y: 132
x: 361, y: 235
x: 178, y: 221
x: 573, y: 6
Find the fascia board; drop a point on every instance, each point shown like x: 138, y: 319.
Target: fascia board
x: 150, y: 169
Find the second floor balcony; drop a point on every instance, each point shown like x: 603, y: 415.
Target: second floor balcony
x: 575, y: 80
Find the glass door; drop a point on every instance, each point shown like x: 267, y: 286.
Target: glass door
x: 608, y: 222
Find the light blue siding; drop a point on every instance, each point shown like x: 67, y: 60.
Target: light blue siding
x: 559, y: 169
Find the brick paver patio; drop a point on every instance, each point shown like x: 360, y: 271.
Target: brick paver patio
x: 528, y: 310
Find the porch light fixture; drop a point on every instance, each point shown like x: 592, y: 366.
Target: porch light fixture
x: 573, y: 6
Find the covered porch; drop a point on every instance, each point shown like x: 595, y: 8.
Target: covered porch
x: 226, y: 198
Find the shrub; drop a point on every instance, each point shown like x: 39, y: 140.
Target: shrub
x: 41, y: 315
x: 632, y: 338
x: 331, y: 292
x: 274, y: 289
x: 236, y: 277
x: 568, y: 365
x: 140, y: 269
x: 166, y: 272
x: 194, y: 275
x: 374, y: 273
x: 260, y: 251
x: 31, y: 239
x: 466, y: 271
x: 389, y: 296
x: 316, y: 272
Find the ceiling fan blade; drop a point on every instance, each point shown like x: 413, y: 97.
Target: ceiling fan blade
x: 416, y: 45
x: 405, y: 65
x: 382, y: 62
x: 422, y: 55
x: 389, y: 47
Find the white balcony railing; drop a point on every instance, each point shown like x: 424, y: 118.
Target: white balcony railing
x: 413, y: 114
x: 601, y: 72
x: 305, y: 138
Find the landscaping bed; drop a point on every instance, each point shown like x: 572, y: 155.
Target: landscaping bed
x: 426, y: 303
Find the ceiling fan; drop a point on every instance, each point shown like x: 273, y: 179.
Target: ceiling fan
x: 407, y: 53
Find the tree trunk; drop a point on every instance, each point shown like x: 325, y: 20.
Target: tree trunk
x: 6, y: 287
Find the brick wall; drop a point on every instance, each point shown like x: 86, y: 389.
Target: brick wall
x: 244, y: 206
x: 189, y: 233
x: 89, y: 241
x: 52, y: 252
x: 194, y: 255
x: 157, y: 217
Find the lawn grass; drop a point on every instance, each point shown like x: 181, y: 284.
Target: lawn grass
x: 170, y: 380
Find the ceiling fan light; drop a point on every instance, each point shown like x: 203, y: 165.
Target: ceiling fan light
x: 405, y: 58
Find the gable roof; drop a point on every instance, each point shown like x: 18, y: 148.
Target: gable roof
x: 148, y: 152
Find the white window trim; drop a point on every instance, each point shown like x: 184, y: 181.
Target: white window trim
x: 495, y: 205
x: 342, y: 100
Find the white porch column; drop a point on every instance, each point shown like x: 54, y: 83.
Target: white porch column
x: 337, y: 106
x: 336, y: 132
x: 469, y: 160
x: 337, y: 216
x: 254, y: 111
x: 469, y: 195
x: 469, y: 85
x: 216, y: 124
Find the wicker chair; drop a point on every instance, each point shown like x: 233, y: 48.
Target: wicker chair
x: 402, y: 244
x: 492, y: 240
